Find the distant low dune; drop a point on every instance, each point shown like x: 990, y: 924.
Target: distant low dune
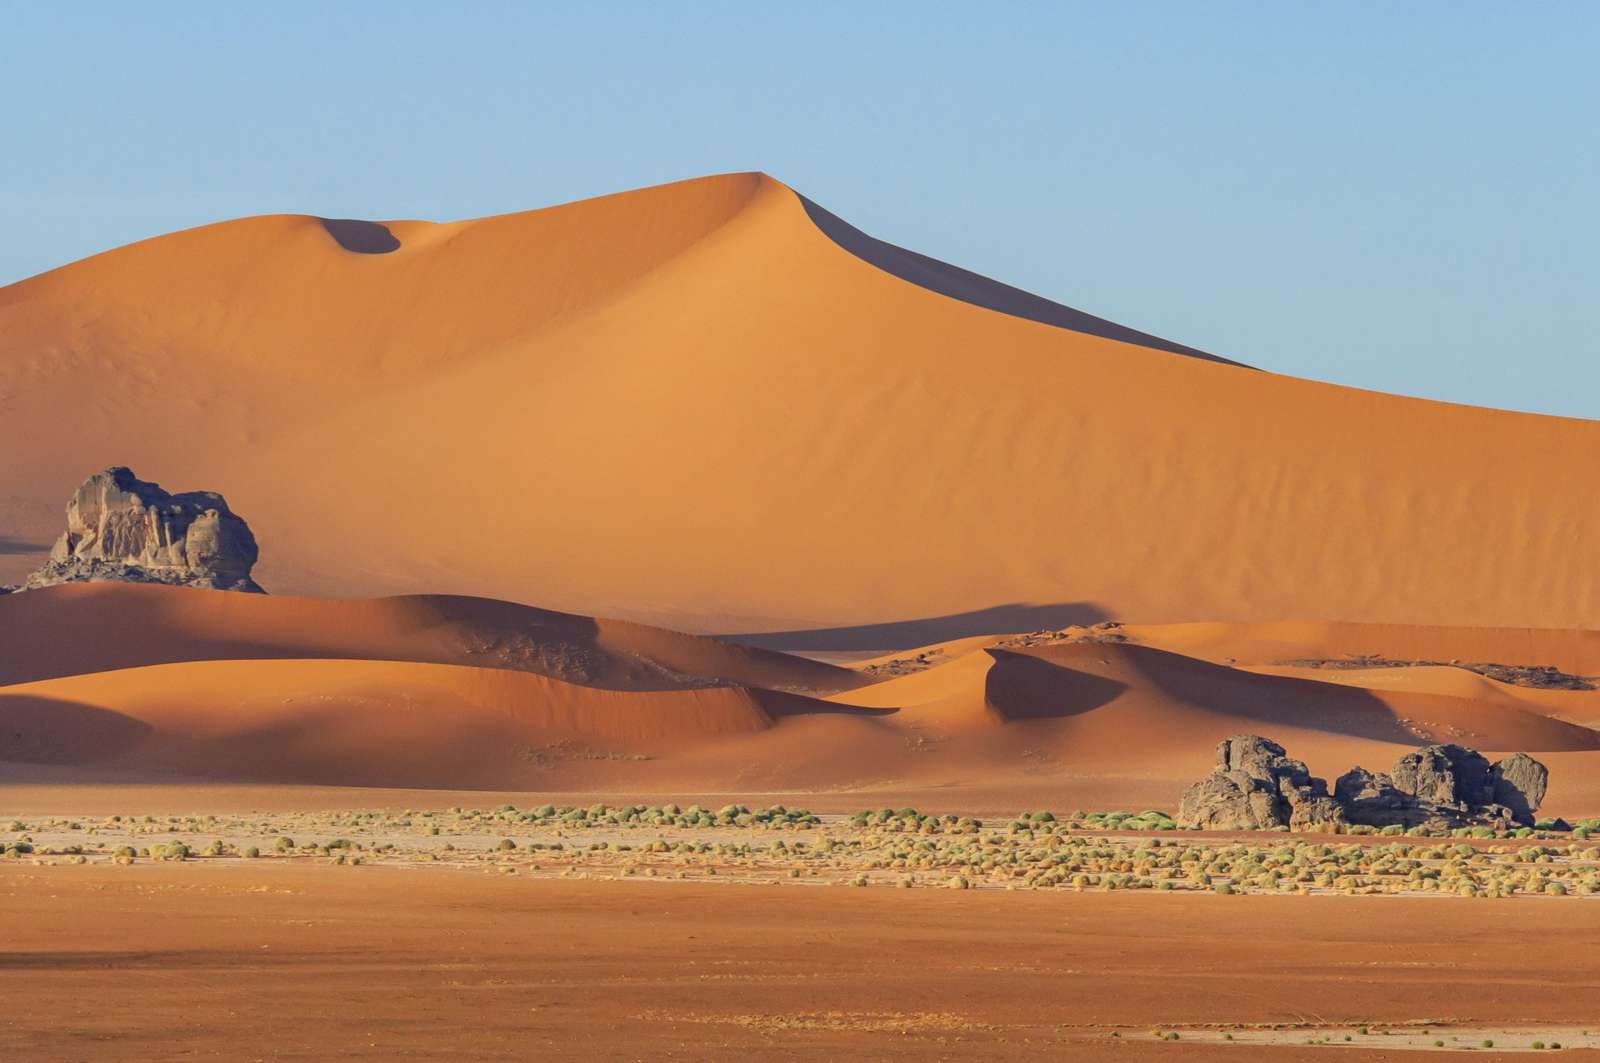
x: 176, y: 684
x: 92, y: 627
x: 361, y: 723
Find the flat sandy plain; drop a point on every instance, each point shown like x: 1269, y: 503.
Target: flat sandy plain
x: 300, y: 961
x: 496, y: 933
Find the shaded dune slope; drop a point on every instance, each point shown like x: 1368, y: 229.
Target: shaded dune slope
x: 969, y: 287
x: 689, y: 405
x: 80, y: 628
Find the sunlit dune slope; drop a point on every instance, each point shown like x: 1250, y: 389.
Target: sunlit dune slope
x: 689, y: 404
x: 92, y: 627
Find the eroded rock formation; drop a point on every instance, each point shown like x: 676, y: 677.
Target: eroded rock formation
x: 1255, y: 786
x: 120, y: 527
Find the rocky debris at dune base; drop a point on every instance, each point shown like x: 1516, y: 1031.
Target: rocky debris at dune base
x: 124, y: 529
x: 1256, y: 786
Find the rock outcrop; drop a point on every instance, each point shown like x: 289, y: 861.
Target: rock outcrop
x: 1445, y: 786
x: 1256, y: 786
x: 122, y: 528
x: 1519, y: 784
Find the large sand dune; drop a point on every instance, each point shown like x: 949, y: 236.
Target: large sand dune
x: 692, y: 404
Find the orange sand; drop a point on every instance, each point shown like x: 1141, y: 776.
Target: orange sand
x: 178, y: 686
x: 689, y: 404
x: 250, y: 962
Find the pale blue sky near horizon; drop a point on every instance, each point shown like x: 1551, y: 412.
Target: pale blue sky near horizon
x: 1396, y: 197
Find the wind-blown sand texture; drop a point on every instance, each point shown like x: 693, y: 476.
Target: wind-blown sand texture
x: 691, y: 405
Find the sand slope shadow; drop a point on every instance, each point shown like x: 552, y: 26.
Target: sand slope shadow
x: 974, y: 288
x: 1267, y: 701
x: 1022, y: 687
x: 361, y: 237
x: 909, y: 634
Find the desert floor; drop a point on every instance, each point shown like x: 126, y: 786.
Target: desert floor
x: 279, y: 960
x: 387, y: 935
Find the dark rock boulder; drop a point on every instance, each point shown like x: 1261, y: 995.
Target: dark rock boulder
x: 1256, y: 786
x: 1443, y: 787
x: 122, y: 528
x: 1445, y: 775
x: 1519, y: 783
x: 1373, y: 799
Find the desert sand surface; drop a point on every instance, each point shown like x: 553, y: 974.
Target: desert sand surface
x: 194, y: 691
x: 970, y: 552
x: 689, y: 405
x: 284, y: 962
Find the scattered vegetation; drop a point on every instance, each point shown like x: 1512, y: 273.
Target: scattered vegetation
x: 1036, y: 849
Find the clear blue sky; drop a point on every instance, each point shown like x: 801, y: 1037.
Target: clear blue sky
x: 1396, y: 196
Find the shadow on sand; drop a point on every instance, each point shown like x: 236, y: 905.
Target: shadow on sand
x: 362, y: 237
x: 10, y: 546
x: 974, y: 288
x: 1024, y: 687
x: 38, y: 730
x: 908, y: 634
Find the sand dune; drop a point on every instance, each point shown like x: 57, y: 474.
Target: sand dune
x: 690, y: 405
x: 367, y: 723
x: 1156, y: 700
x: 469, y: 693
x: 78, y: 628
